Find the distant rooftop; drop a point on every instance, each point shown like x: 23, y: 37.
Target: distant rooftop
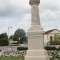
x: 47, y: 32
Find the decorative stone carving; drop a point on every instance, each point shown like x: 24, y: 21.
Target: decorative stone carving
x: 35, y: 35
x: 32, y: 2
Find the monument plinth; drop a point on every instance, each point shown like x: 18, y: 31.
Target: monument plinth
x: 35, y: 35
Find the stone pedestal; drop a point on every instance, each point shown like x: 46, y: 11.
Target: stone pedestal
x: 35, y: 36
x: 36, y: 45
x: 36, y: 55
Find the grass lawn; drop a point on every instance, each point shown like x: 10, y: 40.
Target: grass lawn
x: 19, y: 58
x: 11, y: 58
x: 55, y: 58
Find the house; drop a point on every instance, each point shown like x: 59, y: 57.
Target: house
x: 49, y: 35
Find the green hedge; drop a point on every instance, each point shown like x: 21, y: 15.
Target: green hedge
x: 58, y: 49
x: 22, y: 48
x: 52, y: 48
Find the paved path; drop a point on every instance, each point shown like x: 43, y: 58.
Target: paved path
x: 11, y: 47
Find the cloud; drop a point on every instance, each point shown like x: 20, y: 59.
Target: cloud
x: 50, y: 9
x: 13, y: 7
x: 50, y: 14
x: 50, y: 4
x: 22, y: 23
x: 16, y: 13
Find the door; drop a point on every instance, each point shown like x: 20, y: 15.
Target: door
x: 51, y: 38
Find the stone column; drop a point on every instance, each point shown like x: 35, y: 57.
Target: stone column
x: 35, y: 14
x: 35, y: 35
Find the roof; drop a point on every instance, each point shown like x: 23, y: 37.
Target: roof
x: 47, y: 32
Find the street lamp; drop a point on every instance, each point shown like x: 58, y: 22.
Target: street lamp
x: 8, y: 31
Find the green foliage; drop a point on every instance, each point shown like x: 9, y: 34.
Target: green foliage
x: 4, y: 42
x: 56, y: 40
x: 57, y: 37
x: 52, y: 58
x: 20, y: 33
x: 52, y: 42
x: 23, y: 39
x: 11, y: 58
x: 4, y: 39
x: 58, y: 49
x: 11, y: 37
x: 50, y: 48
x: 3, y: 35
x: 22, y: 48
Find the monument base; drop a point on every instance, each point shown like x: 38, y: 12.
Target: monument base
x: 36, y: 55
x: 37, y: 58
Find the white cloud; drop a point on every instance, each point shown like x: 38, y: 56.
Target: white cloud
x: 13, y: 7
x: 16, y: 13
x: 50, y: 4
x: 50, y: 14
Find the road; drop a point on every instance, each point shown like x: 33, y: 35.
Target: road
x: 11, y: 47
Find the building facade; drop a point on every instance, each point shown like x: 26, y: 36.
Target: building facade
x: 49, y: 35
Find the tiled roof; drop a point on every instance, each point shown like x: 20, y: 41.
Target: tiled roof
x: 50, y: 31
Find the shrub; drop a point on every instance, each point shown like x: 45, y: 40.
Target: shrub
x: 57, y: 43
x: 54, y: 42
x: 58, y: 49
x: 22, y: 48
x: 4, y: 39
x: 4, y: 42
x: 50, y: 48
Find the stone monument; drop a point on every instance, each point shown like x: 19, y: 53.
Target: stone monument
x: 35, y: 35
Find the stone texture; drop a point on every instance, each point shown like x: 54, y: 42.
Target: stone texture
x: 33, y: 2
x: 35, y: 20
x: 36, y: 58
x: 35, y: 35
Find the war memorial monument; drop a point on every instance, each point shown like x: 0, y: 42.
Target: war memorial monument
x: 35, y: 35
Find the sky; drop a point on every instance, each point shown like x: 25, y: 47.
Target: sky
x: 17, y: 14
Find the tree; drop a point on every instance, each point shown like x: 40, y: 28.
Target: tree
x: 57, y: 37
x: 4, y: 39
x: 19, y: 35
x: 11, y: 37
x: 24, y: 39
